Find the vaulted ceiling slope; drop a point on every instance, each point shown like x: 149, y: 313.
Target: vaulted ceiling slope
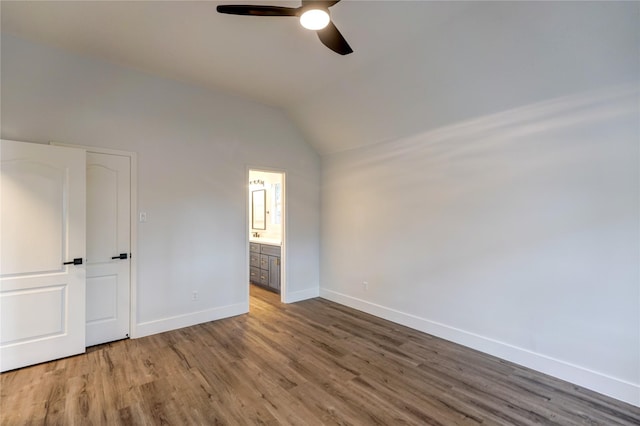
x: 417, y: 65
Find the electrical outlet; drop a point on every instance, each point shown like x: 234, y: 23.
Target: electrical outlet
x: 365, y: 285
x: 195, y: 296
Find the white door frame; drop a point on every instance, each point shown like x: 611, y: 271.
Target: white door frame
x: 133, y: 222
x: 283, y: 249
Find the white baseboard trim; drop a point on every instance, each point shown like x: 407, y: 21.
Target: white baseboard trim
x: 300, y: 295
x: 179, y: 321
x: 598, y: 382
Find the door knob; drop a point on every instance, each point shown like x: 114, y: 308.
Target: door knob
x: 76, y: 261
x: 121, y: 256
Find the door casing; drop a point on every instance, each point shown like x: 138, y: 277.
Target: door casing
x: 283, y: 250
x: 108, y: 235
x: 133, y: 222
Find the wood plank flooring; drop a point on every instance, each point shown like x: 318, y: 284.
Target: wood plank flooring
x: 309, y: 363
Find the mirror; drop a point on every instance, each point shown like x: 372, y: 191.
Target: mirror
x: 258, y: 214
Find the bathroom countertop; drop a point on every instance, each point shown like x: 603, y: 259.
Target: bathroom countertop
x: 270, y: 241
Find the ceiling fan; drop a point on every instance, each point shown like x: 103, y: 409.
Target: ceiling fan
x: 313, y: 15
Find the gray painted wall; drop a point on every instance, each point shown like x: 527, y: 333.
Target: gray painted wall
x: 193, y: 149
x: 510, y: 223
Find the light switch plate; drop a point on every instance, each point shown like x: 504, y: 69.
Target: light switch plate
x: 143, y: 217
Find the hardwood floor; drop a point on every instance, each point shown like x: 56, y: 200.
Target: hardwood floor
x: 313, y: 362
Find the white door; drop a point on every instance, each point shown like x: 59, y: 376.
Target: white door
x: 42, y: 227
x: 108, y: 247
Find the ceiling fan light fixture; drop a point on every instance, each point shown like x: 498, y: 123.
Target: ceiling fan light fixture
x: 313, y: 14
x: 314, y: 19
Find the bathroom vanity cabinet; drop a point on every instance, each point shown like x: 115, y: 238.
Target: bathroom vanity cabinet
x: 265, y: 265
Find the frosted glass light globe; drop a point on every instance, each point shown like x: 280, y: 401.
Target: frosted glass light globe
x: 314, y: 19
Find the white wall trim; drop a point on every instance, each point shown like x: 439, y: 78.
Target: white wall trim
x: 610, y: 386
x: 192, y: 318
x: 300, y: 295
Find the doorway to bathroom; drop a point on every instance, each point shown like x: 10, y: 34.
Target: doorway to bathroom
x: 266, y: 223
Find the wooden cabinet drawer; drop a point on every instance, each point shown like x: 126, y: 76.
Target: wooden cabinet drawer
x: 254, y: 275
x: 264, y: 277
x: 254, y: 260
x: 264, y: 261
x: 254, y: 247
x: 270, y: 250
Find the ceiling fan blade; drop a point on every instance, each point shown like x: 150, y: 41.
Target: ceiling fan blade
x: 322, y: 3
x: 331, y: 37
x: 238, y: 9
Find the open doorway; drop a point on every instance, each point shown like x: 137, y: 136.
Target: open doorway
x: 266, y: 223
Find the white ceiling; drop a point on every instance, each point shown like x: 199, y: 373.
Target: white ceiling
x: 272, y: 60
x: 412, y: 60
